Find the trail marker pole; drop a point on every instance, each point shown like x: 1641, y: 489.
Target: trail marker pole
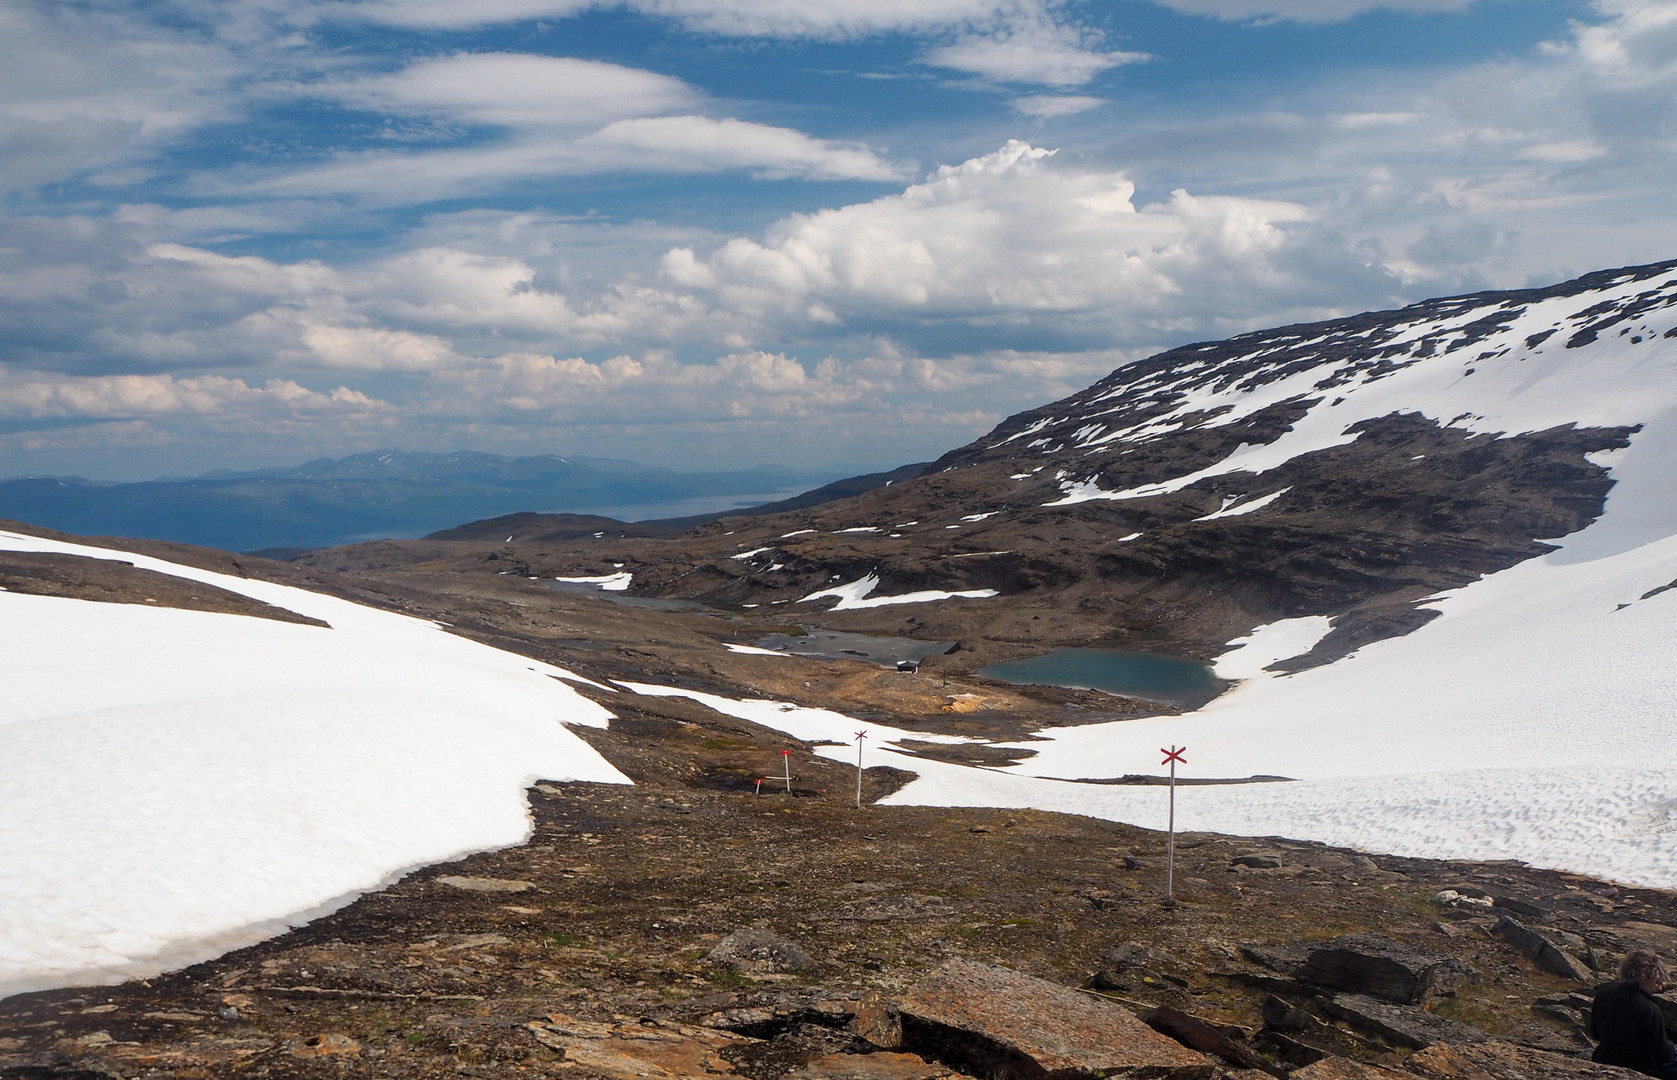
x: 759, y: 785
x: 786, y: 756
x: 860, y: 735
x: 1172, y: 756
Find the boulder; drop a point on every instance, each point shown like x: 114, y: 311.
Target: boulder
x: 1497, y: 1060
x: 758, y: 952
x: 1338, y: 1068
x: 1519, y: 907
x: 1256, y: 862
x: 1380, y: 967
x: 1402, y: 1024
x: 637, y: 1050
x: 877, y: 1023
x: 879, y: 1066
x: 1129, y: 968
x: 989, y: 1021
x: 1199, y: 1035
x: 1282, y: 1015
x: 1289, y: 960
x: 1544, y: 953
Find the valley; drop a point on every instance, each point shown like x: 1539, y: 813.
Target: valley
x: 503, y: 794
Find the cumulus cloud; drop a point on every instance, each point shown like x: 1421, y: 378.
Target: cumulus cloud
x: 1011, y: 235
x: 45, y: 394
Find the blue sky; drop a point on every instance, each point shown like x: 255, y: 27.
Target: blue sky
x: 834, y: 234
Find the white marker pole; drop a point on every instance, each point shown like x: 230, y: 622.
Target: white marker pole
x: 786, y: 756
x: 860, y: 735
x: 1172, y: 756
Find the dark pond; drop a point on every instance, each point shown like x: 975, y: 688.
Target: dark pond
x: 832, y: 645
x: 1169, y: 680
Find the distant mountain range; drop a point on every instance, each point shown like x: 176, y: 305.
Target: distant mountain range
x: 384, y: 493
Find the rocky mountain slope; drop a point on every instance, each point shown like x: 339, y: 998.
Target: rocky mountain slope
x: 1345, y: 469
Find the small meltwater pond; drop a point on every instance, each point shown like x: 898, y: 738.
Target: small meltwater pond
x: 1169, y: 680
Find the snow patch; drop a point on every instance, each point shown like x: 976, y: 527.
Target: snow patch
x: 250, y: 774
x: 855, y: 595
x: 608, y: 583
x: 1247, y: 656
x: 1244, y: 508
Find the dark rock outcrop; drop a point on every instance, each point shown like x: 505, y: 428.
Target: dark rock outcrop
x: 1380, y: 967
x: 1405, y: 1025
x: 1544, y: 953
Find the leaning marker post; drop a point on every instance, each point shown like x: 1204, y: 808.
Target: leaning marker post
x: 786, y: 756
x: 1172, y: 756
x: 860, y: 735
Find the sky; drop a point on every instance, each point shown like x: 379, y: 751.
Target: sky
x: 829, y: 234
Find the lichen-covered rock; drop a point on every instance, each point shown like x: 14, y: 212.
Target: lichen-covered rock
x: 758, y: 952
x: 1505, y: 1061
x: 639, y: 1050
x: 879, y: 1066
x: 1405, y: 1025
x: 1339, y: 1068
x: 989, y: 1021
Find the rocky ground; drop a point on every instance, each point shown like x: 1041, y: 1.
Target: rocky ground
x: 688, y: 927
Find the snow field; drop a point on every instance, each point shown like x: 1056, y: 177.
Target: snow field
x: 856, y: 595
x: 175, y: 784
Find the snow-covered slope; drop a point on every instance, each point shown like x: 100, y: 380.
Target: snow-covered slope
x: 174, y: 784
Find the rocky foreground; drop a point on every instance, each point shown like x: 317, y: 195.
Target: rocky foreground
x: 687, y: 928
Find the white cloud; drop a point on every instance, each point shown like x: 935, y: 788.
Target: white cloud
x: 1011, y: 235
x: 700, y: 144
x: 1030, y: 41
x: 41, y: 394
x: 560, y: 116
x: 753, y: 18
x: 1308, y: 11
x: 85, y: 87
x: 1036, y: 50
x: 1051, y: 105
x: 520, y: 90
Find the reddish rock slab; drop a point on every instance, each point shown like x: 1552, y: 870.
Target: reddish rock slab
x: 1506, y: 1061
x: 879, y: 1066
x: 1338, y: 1068
x: 992, y: 1022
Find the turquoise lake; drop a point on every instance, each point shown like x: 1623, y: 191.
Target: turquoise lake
x: 1169, y: 680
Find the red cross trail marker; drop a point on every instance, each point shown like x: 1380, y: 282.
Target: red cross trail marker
x: 786, y: 756
x: 1172, y: 757
x: 860, y: 735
